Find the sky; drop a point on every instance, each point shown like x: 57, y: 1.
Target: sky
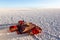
x: 29, y: 3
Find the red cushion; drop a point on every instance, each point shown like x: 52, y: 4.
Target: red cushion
x: 12, y: 27
x: 35, y: 31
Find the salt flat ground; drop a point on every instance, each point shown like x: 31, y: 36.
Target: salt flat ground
x: 47, y: 19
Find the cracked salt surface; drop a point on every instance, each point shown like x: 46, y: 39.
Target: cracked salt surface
x: 47, y: 20
x: 59, y: 36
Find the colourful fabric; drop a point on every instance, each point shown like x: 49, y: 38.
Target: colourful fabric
x: 21, y: 22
